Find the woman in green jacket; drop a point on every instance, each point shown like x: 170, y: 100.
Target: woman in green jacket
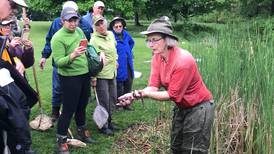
x: 74, y: 76
x: 105, y: 44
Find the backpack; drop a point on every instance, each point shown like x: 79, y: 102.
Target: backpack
x: 94, y: 64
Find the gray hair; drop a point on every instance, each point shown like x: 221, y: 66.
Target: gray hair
x: 170, y: 41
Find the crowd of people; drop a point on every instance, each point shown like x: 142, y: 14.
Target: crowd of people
x: 172, y: 68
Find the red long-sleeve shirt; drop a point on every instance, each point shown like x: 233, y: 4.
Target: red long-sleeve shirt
x: 180, y: 76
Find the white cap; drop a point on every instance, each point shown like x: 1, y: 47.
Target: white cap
x: 70, y: 4
x: 5, y: 22
x: 20, y: 2
x: 98, y: 4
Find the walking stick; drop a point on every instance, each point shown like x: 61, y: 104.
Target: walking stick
x: 42, y: 121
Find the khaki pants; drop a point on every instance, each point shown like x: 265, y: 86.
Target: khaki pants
x: 191, y: 129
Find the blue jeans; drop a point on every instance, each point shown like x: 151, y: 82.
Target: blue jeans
x: 56, y: 99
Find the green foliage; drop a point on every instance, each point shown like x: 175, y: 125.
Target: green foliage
x: 122, y: 8
x: 181, y: 8
x: 252, y: 8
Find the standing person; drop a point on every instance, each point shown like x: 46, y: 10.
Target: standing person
x: 21, y: 50
x: 98, y: 8
x: 12, y: 99
x: 104, y: 43
x: 74, y: 77
x: 56, y: 100
x: 125, y: 44
x: 176, y: 71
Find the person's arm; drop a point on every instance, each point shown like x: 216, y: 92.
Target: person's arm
x: 131, y: 42
x: 59, y: 51
x: 85, y: 27
x: 47, y: 48
x: 55, y: 26
x: 99, y: 49
x: 152, y: 92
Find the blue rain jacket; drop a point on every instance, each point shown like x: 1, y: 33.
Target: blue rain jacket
x: 125, y: 55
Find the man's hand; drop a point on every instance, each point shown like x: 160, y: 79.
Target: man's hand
x: 42, y: 63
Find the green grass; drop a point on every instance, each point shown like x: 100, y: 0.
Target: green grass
x: 236, y: 63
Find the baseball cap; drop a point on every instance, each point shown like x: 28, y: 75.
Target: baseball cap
x: 97, y: 18
x: 98, y: 4
x: 20, y: 2
x: 6, y: 22
x: 71, y: 4
x: 68, y: 13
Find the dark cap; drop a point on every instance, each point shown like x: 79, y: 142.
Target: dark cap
x: 162, y: 26
x: 68, y: 12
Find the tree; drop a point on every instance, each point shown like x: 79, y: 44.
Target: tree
x: 129, y: 8
x: 272, y: 7
x: 183, y: 8
x: 52, y: 8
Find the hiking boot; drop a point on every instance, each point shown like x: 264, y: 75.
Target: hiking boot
x: 113, y: 126
x: 107, y: 131
x: 84, y: 135
x: 55, y: 113
x: 62, y: 146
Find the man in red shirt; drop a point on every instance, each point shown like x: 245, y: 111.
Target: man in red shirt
x: 175, y: 69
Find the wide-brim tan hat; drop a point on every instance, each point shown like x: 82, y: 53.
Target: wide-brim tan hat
x: 20, y: 2
x: 111, y: 24
x: 160, y: 26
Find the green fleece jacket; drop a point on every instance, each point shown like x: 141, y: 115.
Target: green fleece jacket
x: 63, y: 44
x: 106, y: 44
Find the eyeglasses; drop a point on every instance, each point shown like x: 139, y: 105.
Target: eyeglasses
x: 153, y: 40
x: 118, y: 26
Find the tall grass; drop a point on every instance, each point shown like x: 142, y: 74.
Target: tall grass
x: 237, y: 65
